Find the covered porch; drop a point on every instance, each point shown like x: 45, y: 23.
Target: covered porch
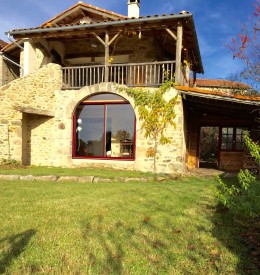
x: 215, y: 126
x: 133, y: 52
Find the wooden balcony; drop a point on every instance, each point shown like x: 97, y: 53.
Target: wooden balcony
x: 150, y: 74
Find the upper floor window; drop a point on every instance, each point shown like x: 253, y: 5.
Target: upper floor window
x: 232, y: 138
x: 104, y: 127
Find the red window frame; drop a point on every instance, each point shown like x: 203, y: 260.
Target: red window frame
x: 74, y: 127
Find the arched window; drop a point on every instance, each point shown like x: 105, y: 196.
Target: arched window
x: 104, y: 127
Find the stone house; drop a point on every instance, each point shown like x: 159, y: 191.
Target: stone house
x: 60, y: 103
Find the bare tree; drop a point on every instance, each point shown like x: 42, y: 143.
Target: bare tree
x: 247, y: 46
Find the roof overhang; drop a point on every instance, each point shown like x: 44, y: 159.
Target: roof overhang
x: 214, y: 95
x: 20, y: 33
x: 145, y: 24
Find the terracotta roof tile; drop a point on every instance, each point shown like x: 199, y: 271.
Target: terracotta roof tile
x: 217, y: 93
x: 220, y: 83
x: 84, y: 5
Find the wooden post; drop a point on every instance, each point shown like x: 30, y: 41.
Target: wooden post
x: 106, y: 44
x: 106, y: 56
x: 178, y: 71
x: 194, y: 79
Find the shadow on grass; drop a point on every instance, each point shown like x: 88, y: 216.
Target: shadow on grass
x: 12, y: 247
x: 110, y: 261
x: 174, y: 245
x: 113, y: 243
x: 231, y: 231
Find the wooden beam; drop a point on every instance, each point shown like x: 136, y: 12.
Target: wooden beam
x: 114, y: 38
x: 178, y: 71
x: 106, y: 56
x: 171, y: 34
x: 95, y: 54
x: 42, y: 48
x: 107, y: 43
x: 99, y: 38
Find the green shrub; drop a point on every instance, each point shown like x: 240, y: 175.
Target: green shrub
x: 243, y: 198
x: 10, y: 162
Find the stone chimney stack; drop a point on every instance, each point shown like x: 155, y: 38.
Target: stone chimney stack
x: 133, y: 8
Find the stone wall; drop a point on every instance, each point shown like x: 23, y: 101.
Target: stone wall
x: 36, y: 125
x: 37, y: 139
x: 33, y: 94
x: 171, y: 158
x: 145, y: 49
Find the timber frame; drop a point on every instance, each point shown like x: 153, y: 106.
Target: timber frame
x: 175, y: 33
x: 213, y: 109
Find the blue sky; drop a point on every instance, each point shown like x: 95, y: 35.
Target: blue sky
x: 216, y: 22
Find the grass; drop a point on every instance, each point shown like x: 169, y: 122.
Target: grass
x: 60, y: 171
x: 117, y: 228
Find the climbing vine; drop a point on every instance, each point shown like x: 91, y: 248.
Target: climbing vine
x: 156, y: 113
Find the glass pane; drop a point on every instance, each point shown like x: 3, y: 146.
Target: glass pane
x: 224, y: 130
x: 230, y: 131
x: 120, y: 130
x: 90, y: 130
x: 239, y: 131
x: 105, y: 97
x: 224, y: 139
x: 227, y: 138
x: 229, y: 146
x: 239, y: 146
x: 238, y: 138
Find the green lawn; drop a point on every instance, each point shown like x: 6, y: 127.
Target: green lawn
x: 117, y: 228
x: 60, y: 171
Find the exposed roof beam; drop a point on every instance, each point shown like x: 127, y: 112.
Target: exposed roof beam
x: 171, y: 34
x: 94, y: 54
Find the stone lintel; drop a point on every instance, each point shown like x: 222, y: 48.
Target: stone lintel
x: 29, y: 110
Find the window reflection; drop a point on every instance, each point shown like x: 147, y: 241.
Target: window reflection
x: 105, y: 129
x: 89, y: 141
x: 120, y: 130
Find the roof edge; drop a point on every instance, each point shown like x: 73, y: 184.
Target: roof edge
x: 98, y: 24
x: 86, y: 6
x: 219, y: 94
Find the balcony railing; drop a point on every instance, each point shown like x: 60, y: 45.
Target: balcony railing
x: 131, y: 74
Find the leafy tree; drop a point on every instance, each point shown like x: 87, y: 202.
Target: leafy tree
x: 247, y: 46
x: 121, y: 135
x: 254, y: 150
x: 156, y: 114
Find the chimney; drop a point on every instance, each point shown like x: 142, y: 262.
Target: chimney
x: 133, y: 8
